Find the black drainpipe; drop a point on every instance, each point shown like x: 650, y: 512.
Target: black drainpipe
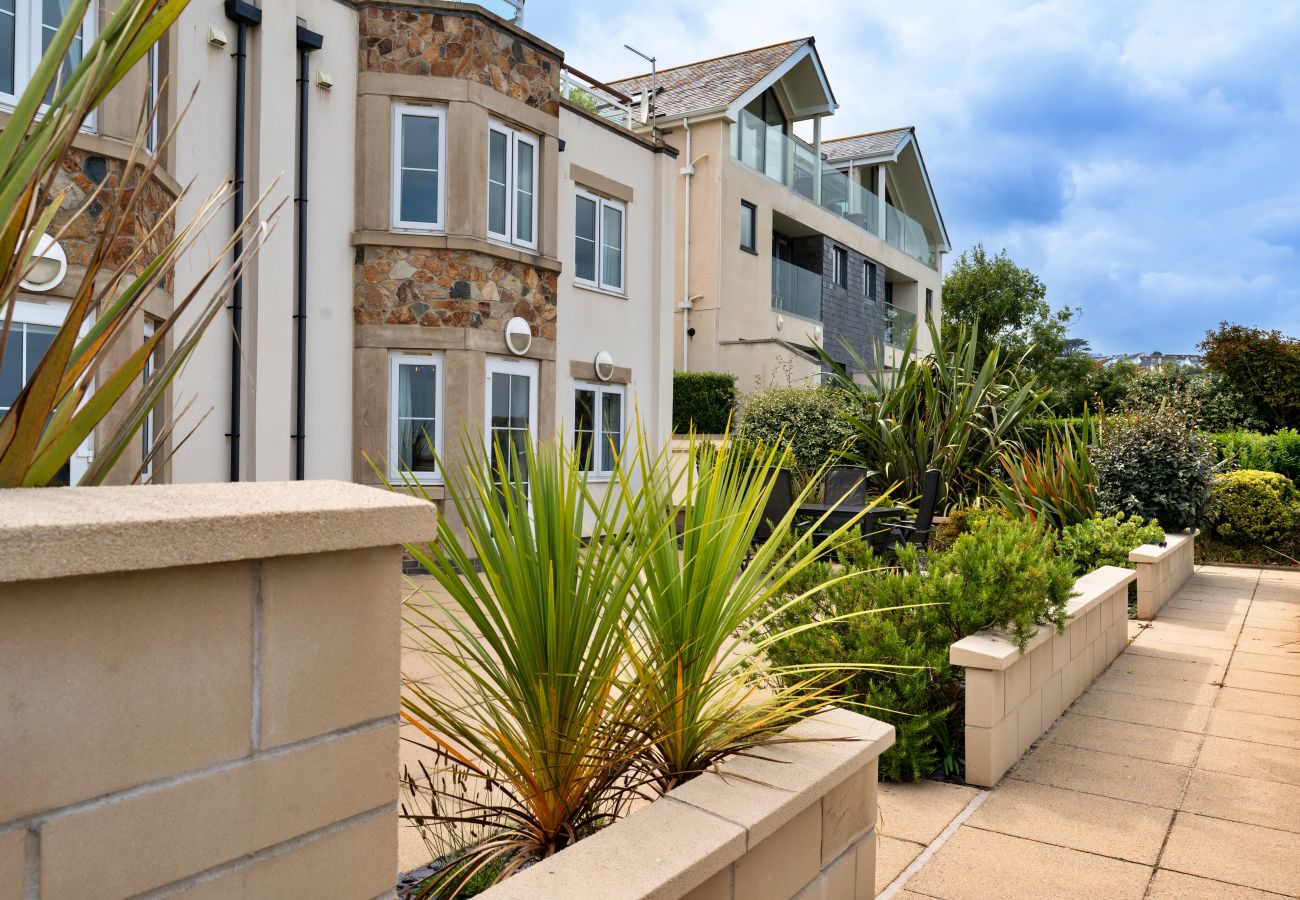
x: 244, y: 15
x: 307, y: 42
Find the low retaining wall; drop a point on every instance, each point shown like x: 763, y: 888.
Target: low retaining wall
x: 199, y: 688
x: 794, y: 817
x: 1161, y: 571
x: 1013, y: 698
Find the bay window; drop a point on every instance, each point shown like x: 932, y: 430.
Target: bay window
x: 414, y: 416
x: 598, y: 427
x: 512, y: 185
x: 419, y: 164
x: 599, y: 234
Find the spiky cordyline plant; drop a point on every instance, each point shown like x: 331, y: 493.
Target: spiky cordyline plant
x: 530, y: 659
x: 947, y: 410
x: 702, y: 613
x: 75, y: 385
x: 1055, y: 483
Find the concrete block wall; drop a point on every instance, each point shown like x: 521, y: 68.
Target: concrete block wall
x: 199, y: 688
x: 797, y: 819
x: 1161, y: 571
x: 1012, y: 698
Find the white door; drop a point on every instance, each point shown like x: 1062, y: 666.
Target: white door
x: 511, y: 414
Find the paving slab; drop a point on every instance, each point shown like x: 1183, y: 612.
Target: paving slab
x: 892, y: 857
x: 1249, y: 855
x: 1169, y: 885
x: 1283, y: 706
x: 1255, y: 727
x: 1164, y: 745
x: 1120, y: 680
x: 1106, y: 774
x: 986, y: 865
x: 919, y: 812
x: 1254, y: 801
x: 1259, y: 662
x: 1088, y: 822
x: 1270, y: 682
x: 1249, y: 759
x: 1144, y: 710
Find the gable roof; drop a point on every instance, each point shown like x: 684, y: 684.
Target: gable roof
x: 864, y: 146
x: 711, y: 83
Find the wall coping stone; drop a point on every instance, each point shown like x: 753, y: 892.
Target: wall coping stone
x: 997, y: 650
x: 673, y: 845
x: 1155, y: 553
x: 59, y: 532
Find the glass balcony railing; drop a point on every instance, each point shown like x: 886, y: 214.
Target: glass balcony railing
x: 796, y: 290
x: 794, y: 164
x: 899, y: 325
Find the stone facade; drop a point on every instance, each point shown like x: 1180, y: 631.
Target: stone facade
x: 451, y: 288
x: 78, y: 175
x: 410, y: 42
x: 849, y: 315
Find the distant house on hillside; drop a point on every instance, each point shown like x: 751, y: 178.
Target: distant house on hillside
x: 1153, y: 359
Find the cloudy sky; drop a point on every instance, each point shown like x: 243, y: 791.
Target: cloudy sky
x: 1142, y: 158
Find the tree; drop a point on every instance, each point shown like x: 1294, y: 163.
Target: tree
x: 1263, y: 365
x: 1009, y: 304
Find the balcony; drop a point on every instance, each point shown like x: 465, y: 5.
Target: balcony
x: 796, y: 290
x: 794, y: 164
x: 899, y: 325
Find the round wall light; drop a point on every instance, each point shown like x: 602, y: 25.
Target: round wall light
x: 519, y: 337
x: 49, y: 266
x: 780, y: 322
x: 604, y: 365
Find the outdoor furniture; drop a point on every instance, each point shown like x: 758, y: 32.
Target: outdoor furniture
x: 847, y: 482
x: 778, y: 504
x: 871, y: 523
x: 917, y: 531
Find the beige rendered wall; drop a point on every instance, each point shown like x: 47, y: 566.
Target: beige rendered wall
x: 199, y: 688
x: 204, y: 154
x: 733, y: 288
x: 633, y: 326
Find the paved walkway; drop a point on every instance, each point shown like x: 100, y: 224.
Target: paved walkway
x: 1177, y: 774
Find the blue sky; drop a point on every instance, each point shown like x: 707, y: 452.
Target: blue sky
x: 1142, y: 158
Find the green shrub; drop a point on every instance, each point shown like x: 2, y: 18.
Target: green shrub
x: 1254, y: 507
x: 808, y: 419
x: 1211, y: 398
x: 704, y: 401
x: 1034, y: 432
x: 1278, y: 452
x: 1052, y: 482
x: 1107, y: 541
x: 1151, y: 463
x: 1264, y: 365
x: 1004, y: 573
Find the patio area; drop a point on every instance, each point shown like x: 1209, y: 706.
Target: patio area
x: 1177, y: 774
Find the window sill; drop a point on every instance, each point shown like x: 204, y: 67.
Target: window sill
x: 411, y: 229
x: 597, y: 289
x: 751, y: 250
x: 499, y: 241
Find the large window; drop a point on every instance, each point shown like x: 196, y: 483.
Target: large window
x: 31, y: 333
x: 748, y: 226
x: 598, y: 427
x: 599, y: 234
x: 512, y: 185
x: 415, y: 416
x: 419, y: 161
x: 27, y: 28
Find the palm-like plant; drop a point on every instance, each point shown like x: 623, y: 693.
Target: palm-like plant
x: 948, y: 410
x: 1055, y: 483
x: 75, y: 384
x: 701, y: 618
x: 530, y: 656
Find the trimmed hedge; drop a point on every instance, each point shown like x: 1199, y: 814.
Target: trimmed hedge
x: 1278, y: 452
x: 704, y: 401
x: 1253, y: 507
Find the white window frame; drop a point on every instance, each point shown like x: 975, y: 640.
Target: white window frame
x: 148, y: 428
x: 601, y: 283
x: 598, y: 472
x: 395, y: 363
x: 28, y: 24
x: 514, y: 137
x: 400, y: 112
x: 151, y: 69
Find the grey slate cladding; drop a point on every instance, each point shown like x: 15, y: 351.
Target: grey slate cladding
x: 849, y: 316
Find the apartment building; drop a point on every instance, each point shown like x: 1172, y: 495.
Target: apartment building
x: 786, y: 242
x: 466, y: 253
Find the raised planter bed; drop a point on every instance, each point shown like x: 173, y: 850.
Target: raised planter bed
x: 788, y: 818
x: 1012, y: 698
x: 1161, y: 571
